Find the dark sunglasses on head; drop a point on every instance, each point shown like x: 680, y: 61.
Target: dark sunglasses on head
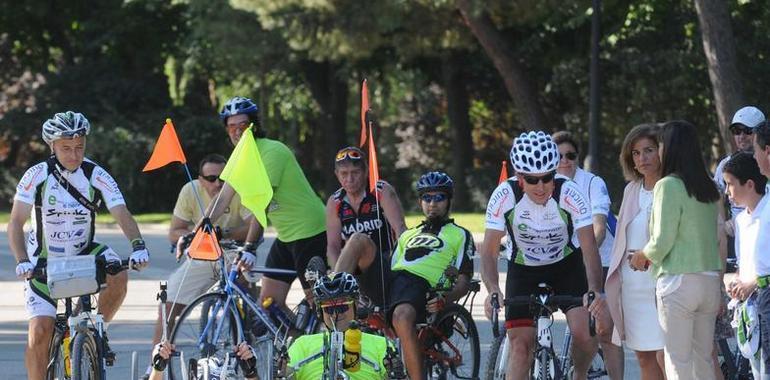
x: 572, y: 156
x: 337, y: 308
x: 212, y: 178
x: 438, y: 197
x: 533, y: 180
x: 349, y: 153
x: 741, y: 130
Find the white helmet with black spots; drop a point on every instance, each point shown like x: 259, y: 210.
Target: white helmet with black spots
x: 65, y: 125
x: 534, y: 153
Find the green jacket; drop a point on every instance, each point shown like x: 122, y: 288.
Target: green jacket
x: 683, y: 231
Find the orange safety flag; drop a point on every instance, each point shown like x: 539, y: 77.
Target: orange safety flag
x: 364, y: 110
x: 503, y: 173
x: 204, y: 245
x: 374, y: 171
x: 167, y: 149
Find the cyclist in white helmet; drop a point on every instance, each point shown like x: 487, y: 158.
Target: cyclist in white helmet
x: 63, y: 194
x: 551, y: 240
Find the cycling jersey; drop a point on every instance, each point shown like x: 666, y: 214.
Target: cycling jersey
x: 541, y: 234
x: 61, y: 226
x: 595, y: 189
x: 306, y: 357
x: 427, y: 251
x: 368, y: 219
x: 295, y: 211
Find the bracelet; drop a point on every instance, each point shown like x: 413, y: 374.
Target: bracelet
x: 138, y: 244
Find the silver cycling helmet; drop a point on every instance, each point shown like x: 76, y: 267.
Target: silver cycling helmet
x: 534, y: 153
x: 65, y: 125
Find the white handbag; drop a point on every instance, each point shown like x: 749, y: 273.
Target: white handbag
x: 72, y: 276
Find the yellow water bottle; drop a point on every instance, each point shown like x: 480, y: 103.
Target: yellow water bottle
x: 65, y: 347
x: 353, y: 347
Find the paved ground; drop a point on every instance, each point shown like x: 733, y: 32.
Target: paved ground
x: 132, y: 329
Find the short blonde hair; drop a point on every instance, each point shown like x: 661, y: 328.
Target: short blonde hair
x: 641, y: 131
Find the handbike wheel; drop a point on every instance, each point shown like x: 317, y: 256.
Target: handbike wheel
x: 86, y: 364
x: 498, y: 357
x: 455, y: 341
x: 207, y: 328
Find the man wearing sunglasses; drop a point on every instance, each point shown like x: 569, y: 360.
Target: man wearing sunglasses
x: 295, y: 211
x: 550, y: 231
x: 742, y: 127
x: 428, y: 256
x: 361, y: 225
x: 335, y: 297
x: 195, y: 277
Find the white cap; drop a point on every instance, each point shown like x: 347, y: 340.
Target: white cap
x: 749, y: 116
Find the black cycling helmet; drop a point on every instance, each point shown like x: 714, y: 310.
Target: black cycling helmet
x: 435, y: 181
x: 335, y: 286
x: 237, y: 106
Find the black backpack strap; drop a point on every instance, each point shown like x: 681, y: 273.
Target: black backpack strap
x: 53, y: 168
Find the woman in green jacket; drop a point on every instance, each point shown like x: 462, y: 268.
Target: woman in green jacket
x: 683, y: 253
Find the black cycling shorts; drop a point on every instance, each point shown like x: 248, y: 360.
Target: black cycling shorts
x: 371, y: 280
x: 294, y: 256
x: 567, y: 278
x: 408, y: 288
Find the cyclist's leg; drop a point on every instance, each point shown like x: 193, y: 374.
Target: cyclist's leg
x: 523, y: 281
x: 277, y: 286
x: 42, y: 313
x: 297, y: 255
x: 584, y: 346
x: 521, y: 341
x: 613, y: 355
x: 113, y: 295
x: 357, y: 254
x: 367, y: 263
x: 407, y: 308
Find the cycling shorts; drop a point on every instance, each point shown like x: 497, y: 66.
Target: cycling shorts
x: 38, y: 300
x: 408, y: 288
x: 371, y: 280
x: 294, y: 256
x: 567, y: 277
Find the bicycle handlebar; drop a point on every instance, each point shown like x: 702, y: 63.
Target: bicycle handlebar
x: 535, y: 300
x: 110, y: 267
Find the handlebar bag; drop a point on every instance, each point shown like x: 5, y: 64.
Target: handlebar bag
x: 72, y: 276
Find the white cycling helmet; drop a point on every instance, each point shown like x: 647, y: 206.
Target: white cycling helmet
x: 65, y: 125
x: 746, y: 324
x: 534, y: 153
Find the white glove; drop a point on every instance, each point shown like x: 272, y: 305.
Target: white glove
x: 140, y: 259
x: 24, y: 269
x: 248, y: 259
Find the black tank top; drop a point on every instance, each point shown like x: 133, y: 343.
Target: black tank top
x: 366, y: 219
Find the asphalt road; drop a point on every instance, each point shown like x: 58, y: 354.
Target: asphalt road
x: 132, y: 328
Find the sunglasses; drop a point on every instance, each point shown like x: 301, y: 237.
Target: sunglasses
x: 533, y: 180
x: 337, y: 308
x: 438, y: 197
x: 212, y: 178
x: 349, y: 154
x: 241, y: 125
x: 741, y: 130
x: 572, y: 156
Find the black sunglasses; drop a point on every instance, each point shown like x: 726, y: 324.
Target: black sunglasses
x: 741, y: 130
x: 212, y: 178
x: 339, y: 308
x: 572, y: 156
x: 533, y: 180
x: 438, y: 197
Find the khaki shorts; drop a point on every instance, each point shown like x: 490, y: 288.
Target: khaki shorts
x: 191, y: 279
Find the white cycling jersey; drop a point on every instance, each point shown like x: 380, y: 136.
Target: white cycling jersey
x: 61, y: 226
x: 541, y: 232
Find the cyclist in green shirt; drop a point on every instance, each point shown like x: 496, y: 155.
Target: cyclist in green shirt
x: 422, y: 260
x: 295, y: 211
x: 336, y: 296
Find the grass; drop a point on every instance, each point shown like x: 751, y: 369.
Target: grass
x: 472, y: 221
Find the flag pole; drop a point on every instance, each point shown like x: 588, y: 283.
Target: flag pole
x: 195, y: 191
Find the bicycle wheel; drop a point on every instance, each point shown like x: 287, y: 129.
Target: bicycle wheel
x: 498, y: 357
x: 451, y: 345
x: 546, y: 366
x: 55, y: 370
x: 86, y: 364
x: 207, y: 328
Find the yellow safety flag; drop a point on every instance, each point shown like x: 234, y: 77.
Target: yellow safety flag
x: 246, y: 173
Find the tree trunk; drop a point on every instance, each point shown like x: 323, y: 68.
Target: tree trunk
x: 719, y: 46
x: 330, y: 91
x: 514, y: 76
x: 460, y: 124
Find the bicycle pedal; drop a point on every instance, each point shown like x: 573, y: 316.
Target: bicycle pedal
x: 109, y: 359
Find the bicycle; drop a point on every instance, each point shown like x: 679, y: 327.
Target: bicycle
x: 547, y: 365
x: 733, y: 364
x: 78, y: 347
x: 449, y: 338
x: 216, y: 322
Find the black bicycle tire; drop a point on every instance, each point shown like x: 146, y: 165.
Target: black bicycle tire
x: 494, y: 352
x: 179, y: 322
x: 85, y: 344
x: 473, y: 333
x: 53, y: 354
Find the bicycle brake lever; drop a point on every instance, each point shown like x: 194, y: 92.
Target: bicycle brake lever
x: 591, y: 319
